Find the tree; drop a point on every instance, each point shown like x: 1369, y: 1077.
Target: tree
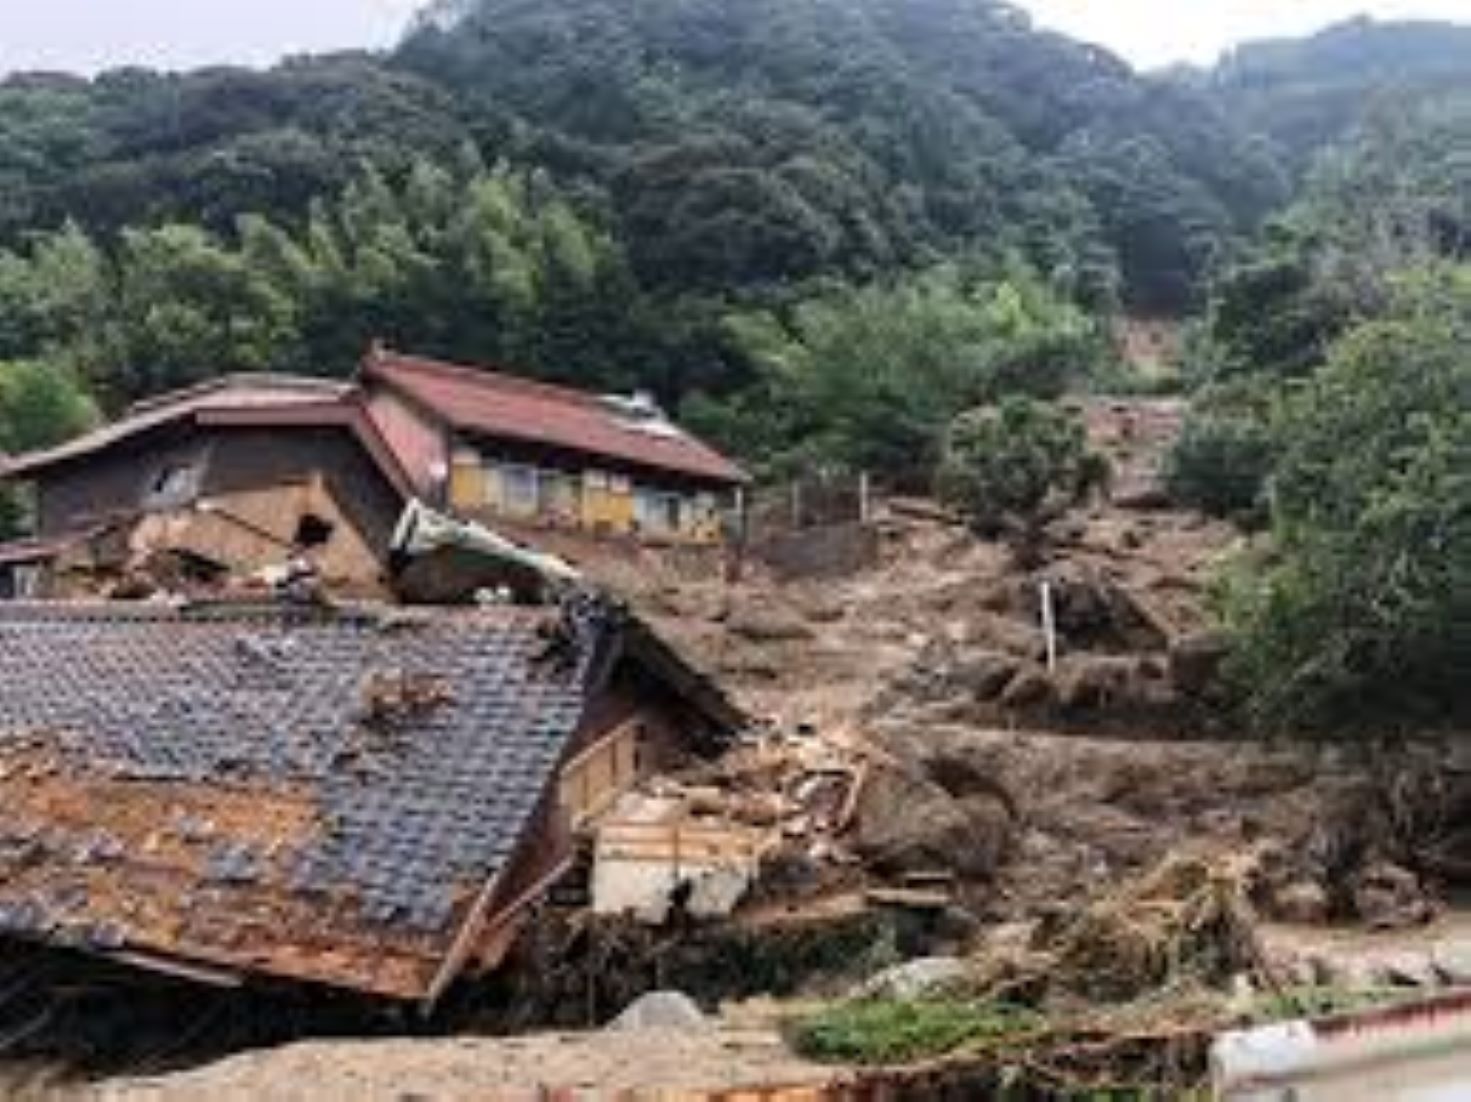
x: 868, y: 378
x: 470, y: 263
x: 39, y: 406
x: 1010, y: 468
x: 1362, y: 611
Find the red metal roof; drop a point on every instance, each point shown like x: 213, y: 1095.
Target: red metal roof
x: 494, y: 404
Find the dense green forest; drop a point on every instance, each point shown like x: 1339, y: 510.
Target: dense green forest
x: 828, y: 231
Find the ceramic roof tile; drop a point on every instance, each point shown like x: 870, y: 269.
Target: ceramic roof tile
x: 319, y: 797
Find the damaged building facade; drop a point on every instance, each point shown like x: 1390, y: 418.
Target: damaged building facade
x: 225, y: 479
x: 369, y: 800
x: 248, y: 473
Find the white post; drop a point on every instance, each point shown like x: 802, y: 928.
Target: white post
x: 1049, y: 626
x: 864, y: 501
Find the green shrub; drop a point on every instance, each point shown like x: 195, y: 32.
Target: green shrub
x: 1361, y: 614
x: 886, y: 1031
x: 1221, y: 464
x: 1009, y: 468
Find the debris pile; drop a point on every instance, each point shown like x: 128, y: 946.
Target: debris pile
x: 765, y: 821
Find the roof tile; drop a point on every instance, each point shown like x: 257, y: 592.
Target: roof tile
x: 222, y: 786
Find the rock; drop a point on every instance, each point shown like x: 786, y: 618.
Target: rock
x: 1452, y: 962
x: 1388, y: 897
x: 768, y: 624
x: 1030, y: 688
x: 1092, y: 609
x: 1195, y: 663
x: 1408, y: 969
x: 985, y: 674
x: 1085, y: 683
x: 918, y: 979
x: 1349, y: 973
x: 908, y: 823
x: 661, y: 1010
x: 1301, y: 901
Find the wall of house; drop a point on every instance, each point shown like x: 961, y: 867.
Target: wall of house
x: 247, y: 459
x: 178, y: 467
x: 665, y: 734
x: 560, y: 490
x: 106, y: 484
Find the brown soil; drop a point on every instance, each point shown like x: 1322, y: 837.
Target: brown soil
x: 508, y: 1070
x: 1099, y: 783
x: 818, y: 652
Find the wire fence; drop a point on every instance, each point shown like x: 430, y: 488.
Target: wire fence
x: 812, y: 501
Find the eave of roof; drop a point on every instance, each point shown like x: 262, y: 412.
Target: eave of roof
x: 232, y: 402
x: 497, y: 405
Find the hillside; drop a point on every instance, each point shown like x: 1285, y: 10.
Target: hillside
x: 733, y: 145
x: 1308, y: 93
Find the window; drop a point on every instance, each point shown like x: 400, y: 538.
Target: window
x: 175, y: 483
x: 312, y: 531
x: 519, y: 494
x: 560, y: 495
x: 658, y: 512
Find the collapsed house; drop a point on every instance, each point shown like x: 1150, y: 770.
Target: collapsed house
x: 249, y: 473
x: 222, y: 480
x: 367, y: 800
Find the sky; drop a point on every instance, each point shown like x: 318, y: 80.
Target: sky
x: 1153, y: 33
x: 88, y: 35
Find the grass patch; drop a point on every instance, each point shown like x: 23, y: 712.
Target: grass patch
x: 890, y: 1031
x: 1323, y: 1002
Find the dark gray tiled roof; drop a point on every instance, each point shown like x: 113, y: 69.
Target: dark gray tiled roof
x: 317, y: 796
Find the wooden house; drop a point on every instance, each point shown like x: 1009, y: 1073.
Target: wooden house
x: 496, y: 447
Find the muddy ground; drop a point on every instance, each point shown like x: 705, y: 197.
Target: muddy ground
x: 1031, y: 789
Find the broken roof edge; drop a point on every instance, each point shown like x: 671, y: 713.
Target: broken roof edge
x: 322, y: 405
x: 645, y: 647
x: 239, y: 380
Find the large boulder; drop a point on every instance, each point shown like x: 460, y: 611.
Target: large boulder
x: 1030, y: 689
x: 1087, y: 682
x: 1196, y: 661
x: 1388, y: 897
x: 766, y: 622
x: 927, y: 977
x: 909, y: 823
x: 661, y: 1010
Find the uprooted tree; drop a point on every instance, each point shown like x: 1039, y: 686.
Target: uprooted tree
x: 1011, y: 468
